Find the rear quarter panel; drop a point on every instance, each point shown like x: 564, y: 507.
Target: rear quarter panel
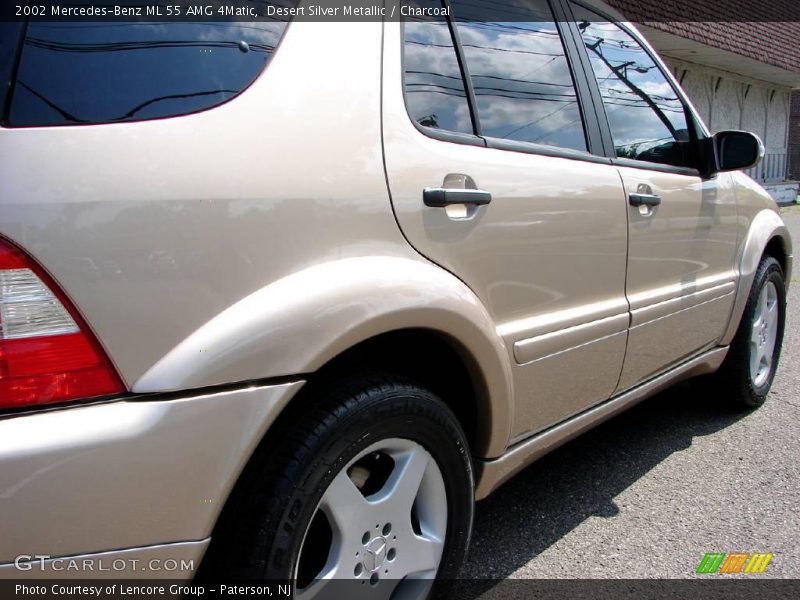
x: 154, y: 228
x: 251, y: 241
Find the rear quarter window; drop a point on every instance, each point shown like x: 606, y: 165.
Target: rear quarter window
x: 88, y: 73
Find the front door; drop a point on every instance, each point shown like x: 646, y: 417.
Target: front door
x: 682, y: 227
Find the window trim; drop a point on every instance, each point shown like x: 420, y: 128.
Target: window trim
x: 597, y: 95
x: 594, y: 153
x: 466, y: 77
x: 544, y: 150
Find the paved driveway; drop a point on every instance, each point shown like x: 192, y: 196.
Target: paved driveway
x: 648, y: 493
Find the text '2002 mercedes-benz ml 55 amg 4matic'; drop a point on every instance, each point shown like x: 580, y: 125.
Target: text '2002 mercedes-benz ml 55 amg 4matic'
x: 290, y: 308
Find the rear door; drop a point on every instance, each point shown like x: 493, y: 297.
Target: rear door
x: 680, y: 281
x: 518, y: 205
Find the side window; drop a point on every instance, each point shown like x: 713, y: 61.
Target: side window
x: 521, y: 77
x: 84, y: 73
x: 646, y: 116
x: 434, y: 87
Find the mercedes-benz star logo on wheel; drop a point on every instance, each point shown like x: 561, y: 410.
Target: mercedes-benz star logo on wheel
x: 375, y: 554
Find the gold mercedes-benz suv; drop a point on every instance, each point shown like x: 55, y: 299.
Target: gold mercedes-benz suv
x: 285, y: 299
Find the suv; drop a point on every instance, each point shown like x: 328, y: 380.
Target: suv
x: 291, y: 308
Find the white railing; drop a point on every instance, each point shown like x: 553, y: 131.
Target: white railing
x: 772, y: 169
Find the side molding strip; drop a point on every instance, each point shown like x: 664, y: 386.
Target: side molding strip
x: 491, y: 474
x: 536, y: 348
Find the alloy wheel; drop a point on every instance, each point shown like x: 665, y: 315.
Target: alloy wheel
x: 382, y: 522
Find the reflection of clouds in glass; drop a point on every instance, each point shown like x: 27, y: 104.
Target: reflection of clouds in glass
x: 643, y: 109
x: 522, y: 82
x: 433, y: 83
x: 514, y: 52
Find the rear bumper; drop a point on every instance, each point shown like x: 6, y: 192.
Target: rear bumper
x: 143, y: 478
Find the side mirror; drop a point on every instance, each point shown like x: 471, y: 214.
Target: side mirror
x: 734, y: 150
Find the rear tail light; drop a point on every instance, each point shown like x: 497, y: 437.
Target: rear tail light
x: 47, y: 353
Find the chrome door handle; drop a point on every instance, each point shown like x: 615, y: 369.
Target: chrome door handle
x: 644, y: 200
x: 441, y: 197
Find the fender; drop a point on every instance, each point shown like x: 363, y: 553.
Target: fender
x: 300, y: 322
x: 765, y: 226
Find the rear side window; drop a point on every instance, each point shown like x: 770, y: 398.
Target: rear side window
x: 85, y: 73
x: 520, y: 74
x: 434, y: 87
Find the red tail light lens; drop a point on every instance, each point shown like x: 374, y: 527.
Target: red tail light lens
x: 47, y: 353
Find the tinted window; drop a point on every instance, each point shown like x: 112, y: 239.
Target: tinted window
x: 80, y: 73
x: 434, y: 87
x: 521, y: 77
x: 9, y: 41
x: 647, y: 119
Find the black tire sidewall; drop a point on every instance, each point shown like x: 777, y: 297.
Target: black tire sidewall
x: 769, y: 271
x: 400, y: 411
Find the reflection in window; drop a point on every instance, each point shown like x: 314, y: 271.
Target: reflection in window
x: 647, y: 119
x: 521, y: 77
x: 80, y: 73
x: 434, y: 87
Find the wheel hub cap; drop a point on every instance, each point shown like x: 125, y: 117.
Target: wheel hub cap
x: 385, y: 534
x: 375, y: 554
x: 764, y: 334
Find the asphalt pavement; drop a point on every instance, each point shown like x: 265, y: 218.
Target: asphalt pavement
x: 648, y: 493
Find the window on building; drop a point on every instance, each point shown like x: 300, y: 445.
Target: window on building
x: 647, y: 118
x: 520, y: 74
x: 434, y: 86
x: 84, y: 73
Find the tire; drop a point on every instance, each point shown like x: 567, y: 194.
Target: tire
x: 372, y: 483
x: 746, y: 376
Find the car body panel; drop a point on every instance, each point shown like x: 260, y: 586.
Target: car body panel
x: 491, y: 474
x: 249, y: 245
x: 546, y: 255
x: 680, y: 268
x: 759, y: 223
x: 154, y: 228
x: 127, y: 474
x: 285, y: 328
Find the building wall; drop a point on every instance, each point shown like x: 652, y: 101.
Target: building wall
x: 728, y: 101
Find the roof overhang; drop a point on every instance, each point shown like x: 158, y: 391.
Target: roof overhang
x: 673, y: 46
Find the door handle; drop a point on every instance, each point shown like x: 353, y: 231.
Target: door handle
x: 441, y: 197
x: 644, y: 200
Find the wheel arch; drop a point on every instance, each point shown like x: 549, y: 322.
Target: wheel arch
x: 322, y: 317
x: 435, y: 360
x: 767, y: 236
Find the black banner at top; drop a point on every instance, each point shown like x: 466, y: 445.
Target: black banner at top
x: 775, y: 11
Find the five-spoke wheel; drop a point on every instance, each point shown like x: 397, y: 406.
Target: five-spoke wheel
x: 764, y: 334
x: 746, y: 375
x: 366, y: 487
x: 385, y: 519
